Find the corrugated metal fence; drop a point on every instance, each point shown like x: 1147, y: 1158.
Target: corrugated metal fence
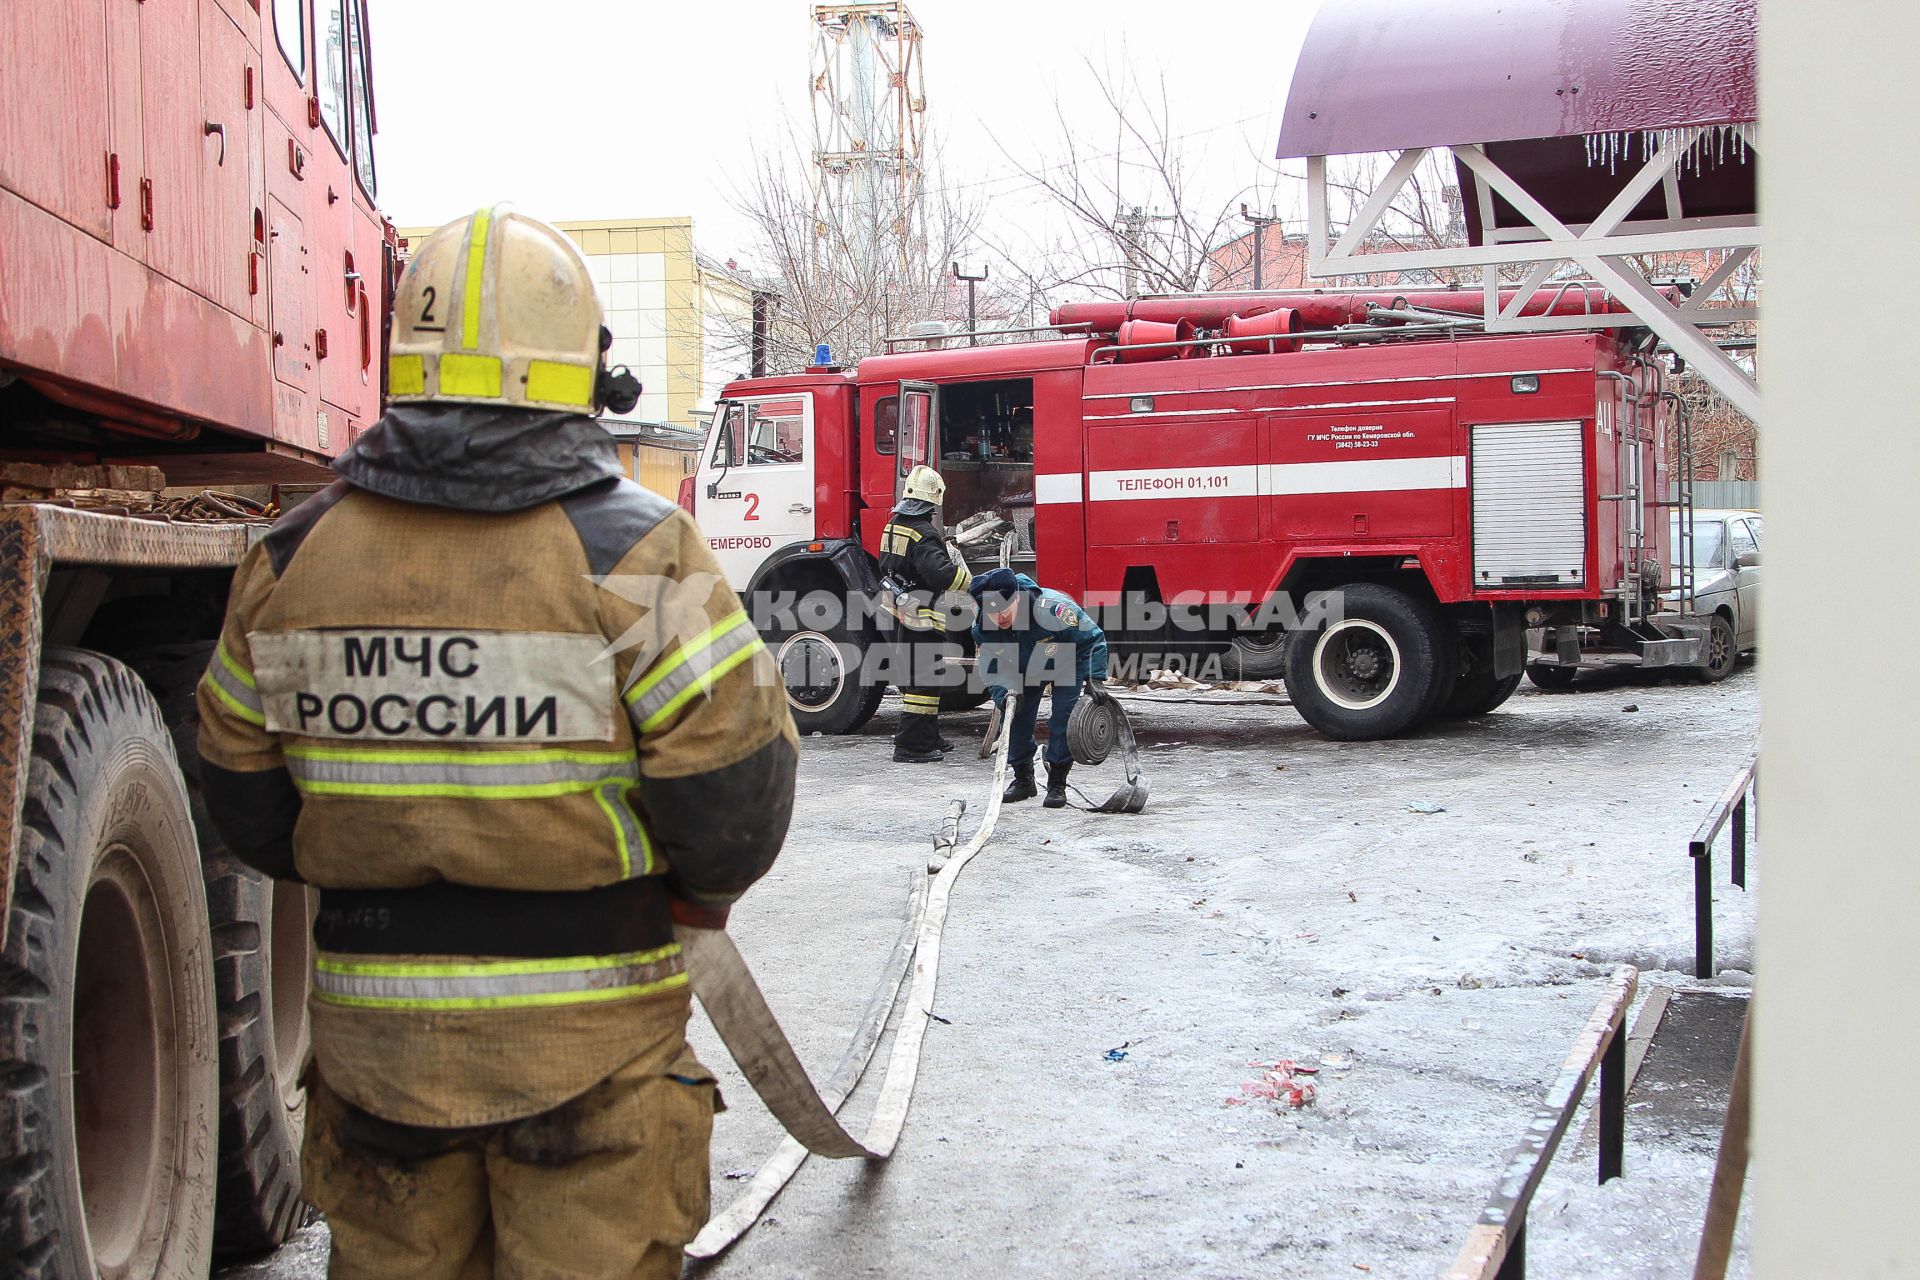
x: 1737, y: 495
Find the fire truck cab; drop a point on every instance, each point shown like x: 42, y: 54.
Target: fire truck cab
x: 1384, y: 507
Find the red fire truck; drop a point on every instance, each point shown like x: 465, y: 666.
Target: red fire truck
x: 193, y: 281
x: 1361, y: 488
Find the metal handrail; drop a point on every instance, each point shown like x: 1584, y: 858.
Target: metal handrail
x: 1496, y: 1248
x: 1731, y: 808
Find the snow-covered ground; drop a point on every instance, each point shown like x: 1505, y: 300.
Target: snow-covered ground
x: 1284, y: 897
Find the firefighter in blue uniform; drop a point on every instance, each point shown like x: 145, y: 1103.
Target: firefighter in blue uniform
x: 1030, y: 636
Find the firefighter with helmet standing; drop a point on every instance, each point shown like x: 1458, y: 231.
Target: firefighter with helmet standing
x: 500, y: 707
x: 916, y: 571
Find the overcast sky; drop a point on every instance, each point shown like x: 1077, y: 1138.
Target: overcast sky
x: 635, y: 108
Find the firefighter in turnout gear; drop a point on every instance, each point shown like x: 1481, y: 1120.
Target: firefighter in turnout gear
x: 917, y: 572
x: 1028, y: 637
x: 500, y: 707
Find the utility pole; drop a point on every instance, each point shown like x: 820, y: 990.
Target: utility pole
x: 1260, y: 223
x: 1131, y: 224
x: 960, y: 273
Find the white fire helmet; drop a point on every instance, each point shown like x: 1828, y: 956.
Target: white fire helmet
x: 497, y: 308
x: 924, y: 483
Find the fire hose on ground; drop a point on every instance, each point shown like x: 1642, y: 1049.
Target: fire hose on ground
x: 740, y: 1015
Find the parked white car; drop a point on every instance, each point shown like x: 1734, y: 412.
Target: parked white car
x: 1726, y: 583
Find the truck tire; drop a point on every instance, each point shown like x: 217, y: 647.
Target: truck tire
x: 1477, y: 690
x: 1478, y: 693
x: 1256, y: 656
x: 1722, y: 653
x: 965, y: 699
x: 1371, y: 672
x: 869, y: 703
x: 1552, y: 679
x: 262, y: 953
x: 821, y: 672
x: 108, y: 1079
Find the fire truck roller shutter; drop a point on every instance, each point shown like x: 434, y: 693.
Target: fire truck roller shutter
x: 1374, y: 667
x: 820, y: 654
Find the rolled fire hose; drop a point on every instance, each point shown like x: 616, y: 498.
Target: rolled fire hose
x: 1093, y: 728
x: 733, y: 1001
x: 1098, y: 723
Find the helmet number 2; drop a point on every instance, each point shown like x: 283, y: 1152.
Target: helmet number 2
x: 753, y: 507
x: 426, y: 307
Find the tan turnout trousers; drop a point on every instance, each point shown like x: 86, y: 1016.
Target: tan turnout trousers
x: 608, y: 1186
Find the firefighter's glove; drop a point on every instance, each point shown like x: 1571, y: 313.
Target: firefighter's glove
x: 697, y: 915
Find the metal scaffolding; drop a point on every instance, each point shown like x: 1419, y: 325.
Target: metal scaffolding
x: 869, y: 127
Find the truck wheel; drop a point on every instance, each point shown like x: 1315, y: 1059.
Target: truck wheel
x: 821, y: 671
x: 1370, y: 673
x: 1722, y: 653
x: 1256, y: 656
x: 108, y: 1079
x: 1552, y: 679
x: 1479, y: 692
x: 262, y: 953
x: 962, y: 699
x: 869, y: 703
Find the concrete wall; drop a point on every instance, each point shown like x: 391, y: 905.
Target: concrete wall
x: 1836, y: 1144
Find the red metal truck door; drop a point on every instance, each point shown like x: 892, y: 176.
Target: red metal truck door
x: 1363, y: 474
x: 53, y: 110
x: 1164, y: 481
x: 169, y: 189
x: 756, y: 484
x: 919, y: 411
x: 231, y: 162
x: 292, y: 352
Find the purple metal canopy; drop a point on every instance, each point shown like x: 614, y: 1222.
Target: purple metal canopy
x: 1386, y: 75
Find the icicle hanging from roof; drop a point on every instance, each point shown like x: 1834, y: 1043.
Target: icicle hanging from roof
x: 1705, y: 144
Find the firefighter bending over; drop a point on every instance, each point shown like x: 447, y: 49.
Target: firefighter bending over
x: 507, y: 783
x: 1030, y: 636
x: 917, y: 571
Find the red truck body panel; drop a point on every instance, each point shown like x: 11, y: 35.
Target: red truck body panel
x: 185, y: 241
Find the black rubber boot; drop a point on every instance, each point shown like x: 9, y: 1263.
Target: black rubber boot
x: 945, y: 745
x: 1021, y: 788
x: 1056, y: 785
x: 917, y: 740
x: 903, y: 756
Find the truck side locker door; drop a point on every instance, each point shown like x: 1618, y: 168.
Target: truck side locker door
x: 287, y: 290
x: 53, y: 119
x: 230, y: 164
x: 168, y: 188
x: 919, y: 430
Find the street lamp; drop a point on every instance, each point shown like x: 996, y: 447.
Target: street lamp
x: 1260, y: 223
x: 973, y: 282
